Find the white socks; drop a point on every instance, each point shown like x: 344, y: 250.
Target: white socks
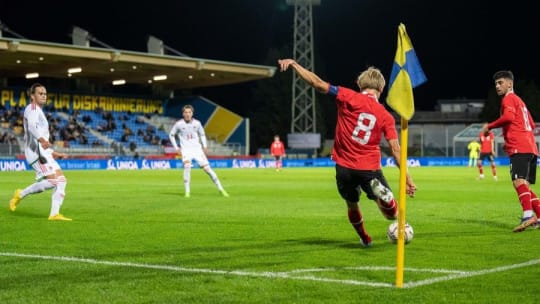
x: 58, y: 195
x: 37, y: 187
x: 59, y: 185
x: 214, y: 177
x: 187, y: 178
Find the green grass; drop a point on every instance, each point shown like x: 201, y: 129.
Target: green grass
x: 280, y: 238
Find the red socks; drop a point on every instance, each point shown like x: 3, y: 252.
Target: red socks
x: 524, y: 195
x: 535, y: 202
x: 480, y: 169
x: 355, y: 218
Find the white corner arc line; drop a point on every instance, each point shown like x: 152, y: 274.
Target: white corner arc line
x: 279, y: 275
x: 454, y: 274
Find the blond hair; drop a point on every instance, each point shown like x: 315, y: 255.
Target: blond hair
x: 371, y: 78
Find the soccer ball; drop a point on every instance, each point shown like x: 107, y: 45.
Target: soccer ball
x: 392, y: 232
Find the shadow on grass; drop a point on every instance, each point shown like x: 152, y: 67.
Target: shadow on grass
x: 352, y: 244
x: 27, y: 214
x: 506, y: 226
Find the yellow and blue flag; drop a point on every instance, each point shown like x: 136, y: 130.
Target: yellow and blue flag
x: 406, y: 74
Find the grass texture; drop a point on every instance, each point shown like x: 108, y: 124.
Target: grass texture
x: 281, y: 237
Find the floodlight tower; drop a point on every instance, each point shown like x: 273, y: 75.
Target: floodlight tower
x: 3, y: 27
x: 303, y: 95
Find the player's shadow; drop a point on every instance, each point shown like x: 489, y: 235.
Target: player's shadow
x: 334, y: 243
x: 489, y: 227
x: 28, y: 214
x: 485, y: 223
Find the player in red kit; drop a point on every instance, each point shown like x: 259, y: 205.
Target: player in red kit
x: 487, y: 151
x: 362, y: 122
x: 277, y: 149
x: 519, y: 143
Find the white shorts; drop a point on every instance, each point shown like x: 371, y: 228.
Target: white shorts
x: 198, y: 155
x: 42, y: 170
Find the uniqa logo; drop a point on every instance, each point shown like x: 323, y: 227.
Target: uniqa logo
x: 122, y: 165
x: 127, y: 165
x: 158, y: 164
x: 243, y: 164
x: 110, y: 165
x: 11, y: 165
x: 411, y: 162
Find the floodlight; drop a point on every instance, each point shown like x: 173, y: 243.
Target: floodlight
x: 75, y: 70
x: 31, y: 75
x: 160, y: 77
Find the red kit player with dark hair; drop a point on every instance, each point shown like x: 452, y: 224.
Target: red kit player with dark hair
x: 520, y: 144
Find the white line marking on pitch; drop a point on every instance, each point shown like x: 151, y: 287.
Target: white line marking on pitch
x: 469, y: 274
x: 453, y: 274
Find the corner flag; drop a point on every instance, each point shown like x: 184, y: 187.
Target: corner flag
x: 406, y: 74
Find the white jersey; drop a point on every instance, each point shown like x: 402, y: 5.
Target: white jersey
x: 35, y: 126
x: 191, y: 135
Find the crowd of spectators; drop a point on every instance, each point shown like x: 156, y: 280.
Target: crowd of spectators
x: 11, y: 118
x: 76, y: 128
x: 146, y: 134
x: 68, y: 132
x: 8, y: 138
x: 11, y: 122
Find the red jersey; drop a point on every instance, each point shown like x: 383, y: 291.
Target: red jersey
x: 361, y: 124
x: 277, y: 148
x: 486, y: 142
x: 517, y: 126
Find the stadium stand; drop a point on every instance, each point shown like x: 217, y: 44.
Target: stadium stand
x: 126, y: 133
x: 222, y: 124
x: 97, y: 133
x: 121, y: 125
x: 9, y: 142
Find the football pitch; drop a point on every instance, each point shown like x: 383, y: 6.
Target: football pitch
x: 281, y: 237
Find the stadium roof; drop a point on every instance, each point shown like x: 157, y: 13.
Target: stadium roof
x: 103, y: 65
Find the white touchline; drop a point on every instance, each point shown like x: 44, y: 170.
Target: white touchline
x: 454, y: 274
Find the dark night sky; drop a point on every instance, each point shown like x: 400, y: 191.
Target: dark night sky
x: 460, y: 44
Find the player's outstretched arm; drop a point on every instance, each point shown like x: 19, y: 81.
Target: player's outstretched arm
x: 311, y: 78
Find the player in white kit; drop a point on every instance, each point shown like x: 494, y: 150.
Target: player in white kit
x: 40, y: 156
x: 193, y: 146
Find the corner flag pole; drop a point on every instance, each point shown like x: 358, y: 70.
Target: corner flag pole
x: 400, y: 261
x: 406, y: 74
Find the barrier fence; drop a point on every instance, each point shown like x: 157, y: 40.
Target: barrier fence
x: 233, y: 163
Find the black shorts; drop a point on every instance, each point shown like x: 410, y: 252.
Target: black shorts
x: 483, y: 156
x: 350, y: 183
x: 523, y: 165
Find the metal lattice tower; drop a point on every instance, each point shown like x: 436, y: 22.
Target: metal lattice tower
x: 303, y: 95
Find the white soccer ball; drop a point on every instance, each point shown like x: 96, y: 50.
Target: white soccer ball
x: 392, y: 232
